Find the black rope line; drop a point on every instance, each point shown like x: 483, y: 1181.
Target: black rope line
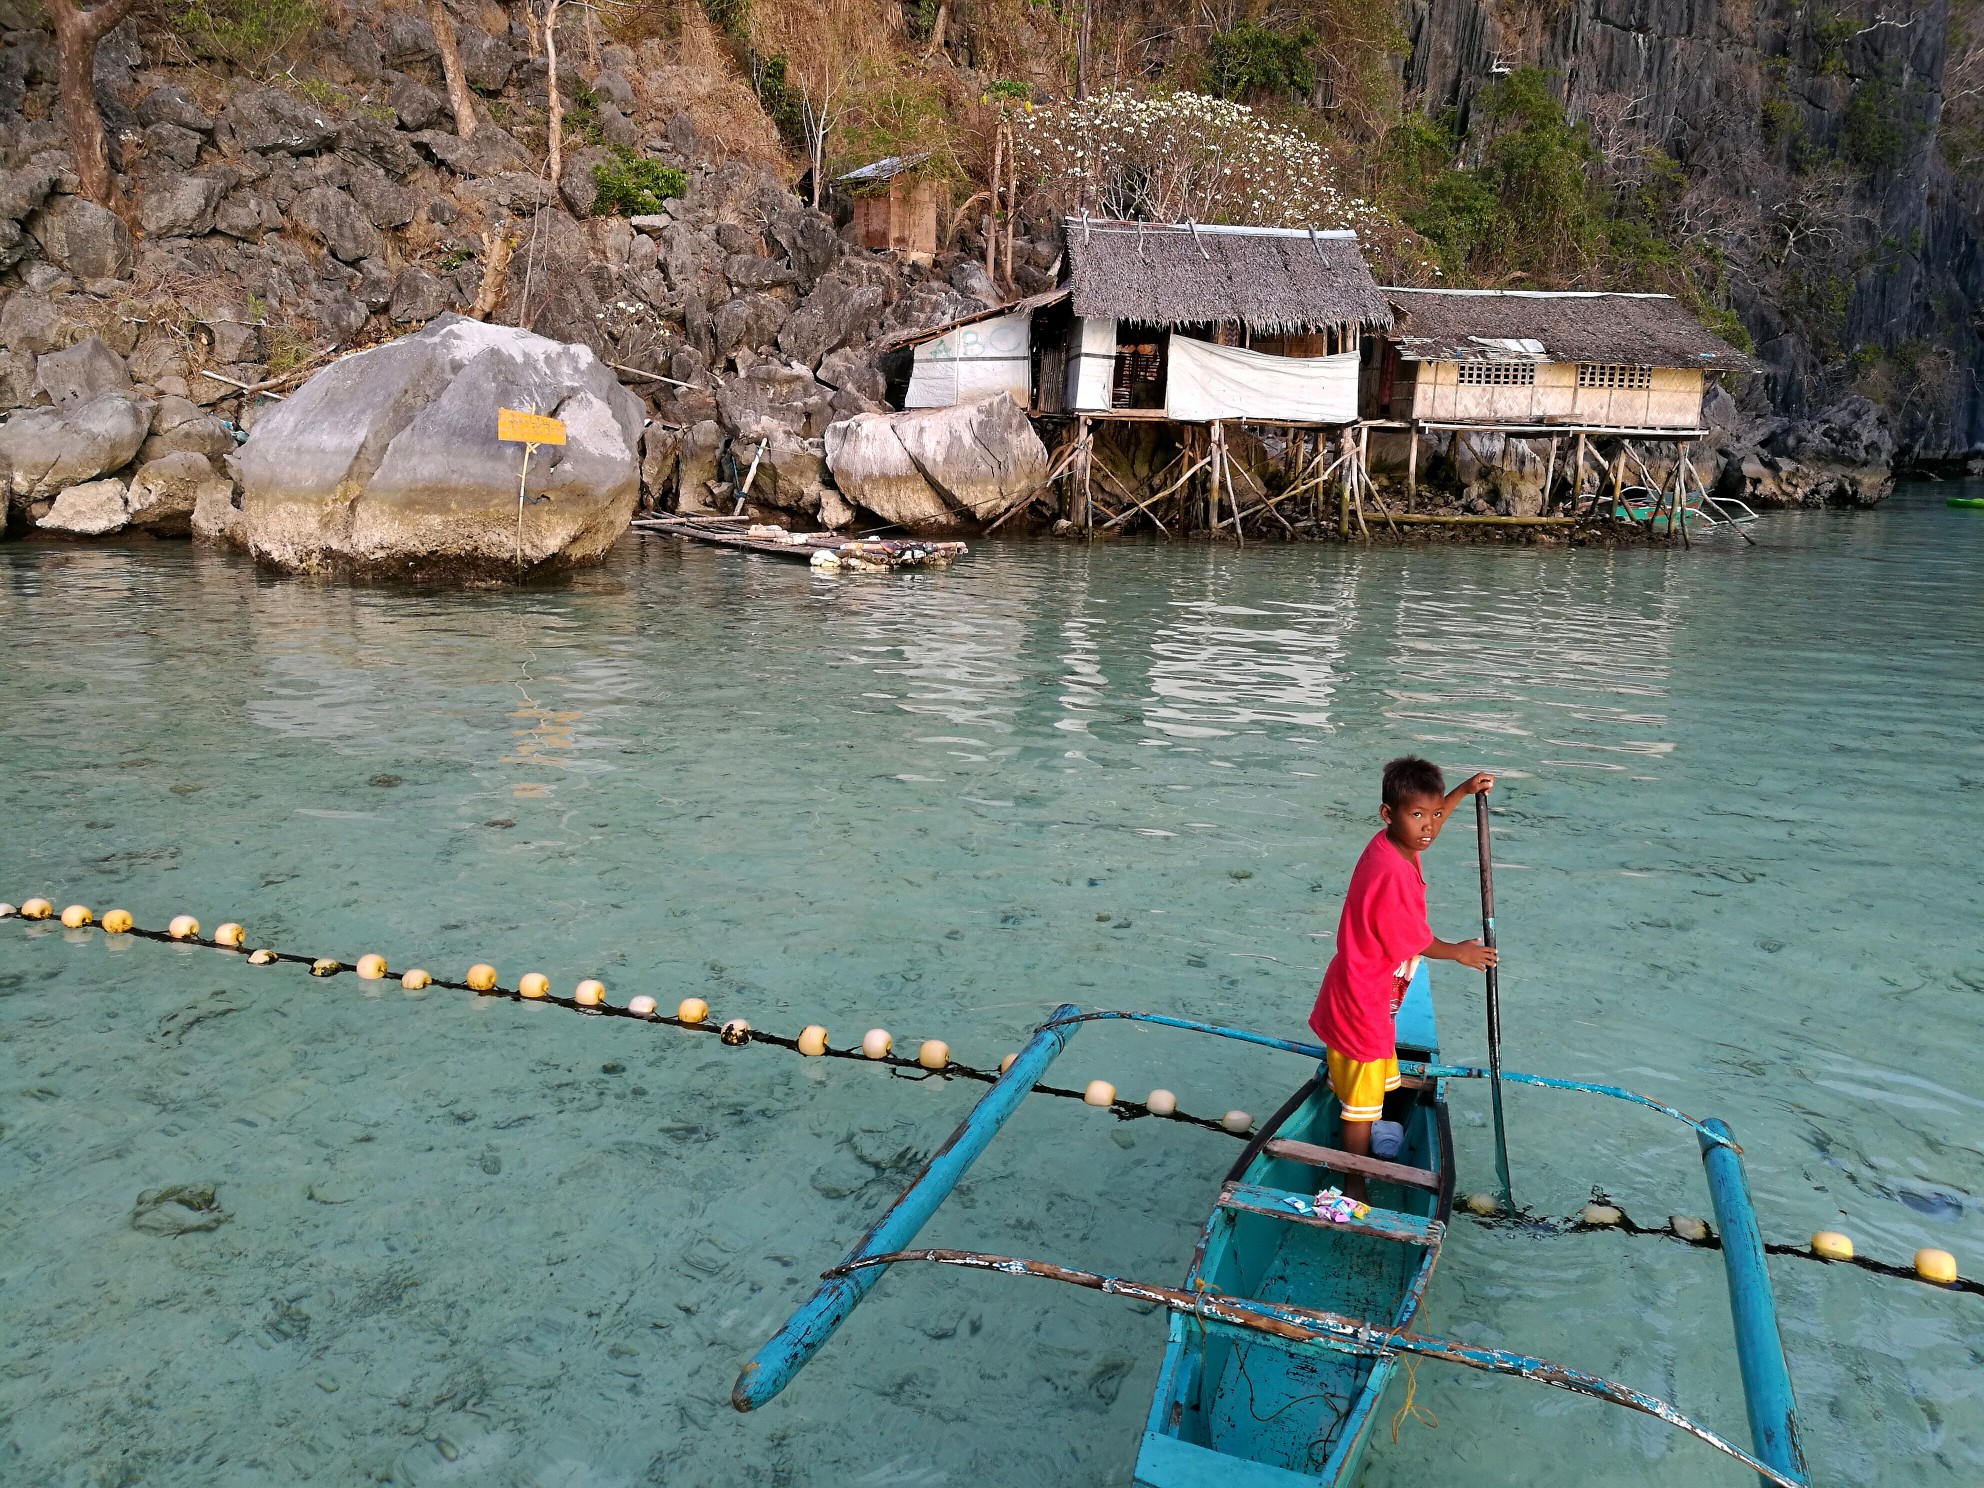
x: 900, y: 1066
x: 1577, y: 1224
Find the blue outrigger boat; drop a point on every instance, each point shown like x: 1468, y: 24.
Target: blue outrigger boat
x: 1291, y: 1321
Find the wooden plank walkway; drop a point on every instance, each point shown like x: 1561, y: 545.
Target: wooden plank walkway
x: 821, y: 549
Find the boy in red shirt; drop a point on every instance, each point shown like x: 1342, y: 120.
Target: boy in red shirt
x: 1379, y: 939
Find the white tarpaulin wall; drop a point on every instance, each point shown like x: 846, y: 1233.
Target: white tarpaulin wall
x: 1092, y: 363
x: 1205, y: 383
x: 974, y: 362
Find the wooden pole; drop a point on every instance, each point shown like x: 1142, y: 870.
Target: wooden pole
x: 992, y: 219
x: 1412, y: 470
x: 1487, y: 861
x: 1549, y: 474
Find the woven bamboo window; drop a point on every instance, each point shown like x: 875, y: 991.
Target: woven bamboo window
x: 1498, y: 374
x: 1603, y: 375
x: 1139, y: 375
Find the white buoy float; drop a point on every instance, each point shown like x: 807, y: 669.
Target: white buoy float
x: 812, y: 1040
x: 415, y: 980
x: 183, y: 927
x: 1237, y: 1122
x: 1099, y: 1093
x: 876, y: 1043
x: 735, y: 1033
x: 1161, y: 1103
x: 36, y: 909
x: 589, y: 993
x: 642, y: 1006
x: 230, y: 935
x: 261, y: 958
x: 933, y: 1054
x: 1938, y: 1266
x: 533, y: 984
x: 76, y: 916
x: 1830, y: 1245
x: 371, y: 966
x: 1007, y: 1063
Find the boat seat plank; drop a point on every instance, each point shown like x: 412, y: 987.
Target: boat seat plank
x: 1384, y: 1224
x: 1350, y: 1162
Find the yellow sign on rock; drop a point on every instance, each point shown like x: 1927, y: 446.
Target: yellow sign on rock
x: 528, y: 428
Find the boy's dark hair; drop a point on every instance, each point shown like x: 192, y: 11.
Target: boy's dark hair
x: 1409, y: 775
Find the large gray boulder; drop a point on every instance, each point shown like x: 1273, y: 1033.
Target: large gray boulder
x: 387, y: 462
x: 835, y: 313
x: 165, y: 492
x: 81, y: 372
x: 180, y: 206
x: 270, y: 121
x: 88, y: 510
x: 937, y: 470
x: 330, y: 215
x: 47, y: 450
x: 89, y: 241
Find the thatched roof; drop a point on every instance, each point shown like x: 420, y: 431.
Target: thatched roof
x: 1271, y: 279
x: 1644, y: 330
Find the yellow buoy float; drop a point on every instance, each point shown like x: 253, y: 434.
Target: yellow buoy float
x: 642, y: 1007
x: 1938, y: 1266
x: 1601, y: 1214
x: 230, y: 934
x: 589, y: 993
x: 183, y: 927
x: 1830, y: 1245
x: 371, y: 967
x: 481, y: 977
x: 415, y: 980
x: 1007, y: 1063
x: 1161, y: 1103
x: 533, y: 984
x: 36, y: 909
x: 876, y: 1043
x: 1483, y: 1204
x: 691, y: 1010
x: 812, y: 1041
x: 1099, y: 1093
x: 117, y: 921
x: 933, y: 1054
x: 76, y: 916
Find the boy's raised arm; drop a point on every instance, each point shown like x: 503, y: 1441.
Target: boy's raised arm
x: 1473, y: 785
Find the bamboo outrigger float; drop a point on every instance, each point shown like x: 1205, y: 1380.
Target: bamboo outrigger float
x: 1293, y: 1316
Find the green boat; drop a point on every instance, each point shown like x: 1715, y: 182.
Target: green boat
x: 1970, y: 501
x: 1237, y: 1411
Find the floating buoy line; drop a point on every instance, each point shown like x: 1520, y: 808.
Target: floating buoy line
x: 933, y: 1059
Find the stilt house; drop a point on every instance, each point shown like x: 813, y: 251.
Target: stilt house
x: 1182, y: 323
x: 1535, y: 362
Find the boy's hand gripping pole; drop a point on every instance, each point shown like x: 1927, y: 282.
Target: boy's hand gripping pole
x: 1494, y: 999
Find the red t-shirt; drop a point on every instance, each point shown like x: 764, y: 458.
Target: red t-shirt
x: 1383, y: 925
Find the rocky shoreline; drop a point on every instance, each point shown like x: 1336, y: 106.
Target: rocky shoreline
x: 264, y: 231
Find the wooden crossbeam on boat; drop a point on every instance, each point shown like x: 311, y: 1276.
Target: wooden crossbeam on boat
x: 821, y: 549
x: 1338, y: 1161
x: 1380, y: 1224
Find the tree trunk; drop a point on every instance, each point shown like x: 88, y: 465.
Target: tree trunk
x: 76, y: 34
x: 992, y: 222
x: 551, y: 82
x: 451, y: 69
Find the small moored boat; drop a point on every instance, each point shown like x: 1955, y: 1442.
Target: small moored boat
x: 1233, y: 1408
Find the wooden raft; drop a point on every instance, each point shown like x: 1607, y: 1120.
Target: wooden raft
x: 821, y: 549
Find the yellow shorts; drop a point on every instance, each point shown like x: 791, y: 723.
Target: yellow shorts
x: 1361, y: 1085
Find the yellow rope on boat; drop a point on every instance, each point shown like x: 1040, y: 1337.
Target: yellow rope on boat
x: 1412, y: 1409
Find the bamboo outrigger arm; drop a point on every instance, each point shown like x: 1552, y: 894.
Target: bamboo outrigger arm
x: 1305, y: 1328
x: 786, y: 1352
x: 1409, y: 1067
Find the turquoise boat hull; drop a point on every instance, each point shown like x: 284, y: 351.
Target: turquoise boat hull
x: 1233, y: 1411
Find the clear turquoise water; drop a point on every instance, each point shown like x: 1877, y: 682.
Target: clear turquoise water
x: 480, y: 1243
